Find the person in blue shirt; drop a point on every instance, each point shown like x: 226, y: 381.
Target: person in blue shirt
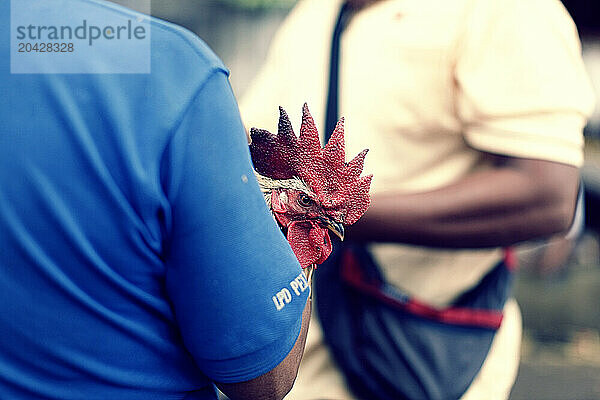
x: 138, y: 259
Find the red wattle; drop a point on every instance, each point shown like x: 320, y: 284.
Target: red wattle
x: 309, y: 241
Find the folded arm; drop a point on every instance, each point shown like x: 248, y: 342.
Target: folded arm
x: 517, y: 200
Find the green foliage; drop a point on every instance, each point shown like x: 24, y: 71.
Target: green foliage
x: 259, y: 4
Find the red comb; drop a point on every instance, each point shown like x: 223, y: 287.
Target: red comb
x: 338, y: 184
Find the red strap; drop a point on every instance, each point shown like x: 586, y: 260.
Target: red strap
x: 510, y: 259
x: 352, y: 274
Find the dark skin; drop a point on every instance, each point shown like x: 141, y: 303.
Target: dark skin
x: 275, y: 384
x: 517, y: 200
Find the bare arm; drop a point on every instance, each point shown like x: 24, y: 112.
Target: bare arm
x: 275, y: 384
x: 520, y: 199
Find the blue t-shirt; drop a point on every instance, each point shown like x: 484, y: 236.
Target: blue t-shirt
x: 138, y: 259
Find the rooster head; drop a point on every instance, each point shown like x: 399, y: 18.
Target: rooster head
x: 310, y: 189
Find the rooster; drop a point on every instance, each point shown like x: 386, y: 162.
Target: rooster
x: 309, y: 189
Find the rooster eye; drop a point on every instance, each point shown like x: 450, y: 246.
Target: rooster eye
x: 304, y: 200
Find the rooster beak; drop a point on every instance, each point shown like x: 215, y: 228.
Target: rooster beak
x: 336, y: 228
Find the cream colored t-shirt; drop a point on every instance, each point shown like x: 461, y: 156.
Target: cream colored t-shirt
x: 427, y: 86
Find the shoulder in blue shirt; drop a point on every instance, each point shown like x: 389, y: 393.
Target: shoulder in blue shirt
x: 137, y: 257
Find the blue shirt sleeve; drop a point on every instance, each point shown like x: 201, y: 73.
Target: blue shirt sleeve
x: 235, y: 285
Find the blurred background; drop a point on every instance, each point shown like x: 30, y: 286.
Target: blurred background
x: 558, y: 286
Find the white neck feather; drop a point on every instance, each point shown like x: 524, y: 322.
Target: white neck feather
x: 267, y: 185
